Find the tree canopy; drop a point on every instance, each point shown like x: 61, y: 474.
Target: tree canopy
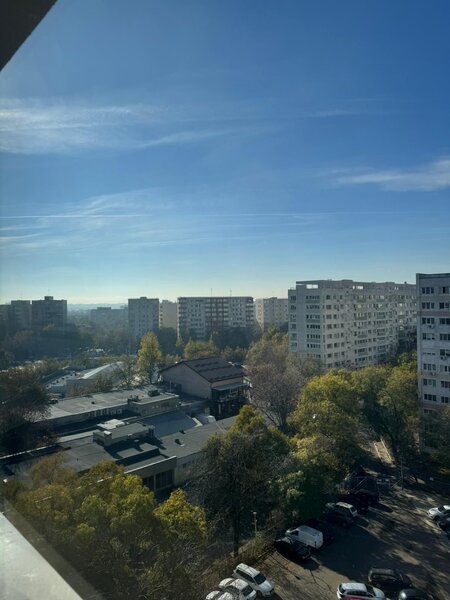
x: 149, y: 355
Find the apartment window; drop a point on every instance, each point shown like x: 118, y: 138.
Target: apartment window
x: 445, y: 399
x: 444, y: 321
x: 445, y: 290
x: 444, y: 337
x: 427, y: 320
x: 445, y: 384
x: 430, y: 382
x: 430, y: 397
x: 429, y: 367
x: 443, y: 305
x: 427, y: 290
x: 428, y: 336
x: 428, y: 305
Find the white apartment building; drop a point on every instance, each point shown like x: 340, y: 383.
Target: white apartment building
x: 271, y: 311
x: 168, y: 314
x: 349, y: 323
x: 433, y: 340
x: 202, y: 315
x: 143, y: 316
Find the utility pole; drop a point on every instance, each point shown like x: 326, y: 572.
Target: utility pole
x: 401, y: 468
x: 254, y: 523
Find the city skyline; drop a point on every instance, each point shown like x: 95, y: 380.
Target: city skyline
x: 228, y: 146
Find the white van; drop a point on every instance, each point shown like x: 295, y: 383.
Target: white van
x: 307, y: 536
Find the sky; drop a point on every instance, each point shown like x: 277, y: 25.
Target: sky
x: 186, y: 147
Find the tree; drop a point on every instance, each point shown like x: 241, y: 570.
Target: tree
x: 126, y: 367
x: 395, y: 415
x: 23, y: 401
x: 199, y: 349
x: 149, y: 355
x: 436, y: 435
x: 328, y: 410
x: 167, y: 338
x: 108, y: 525
x: 277, y: 376
x: 237, y: 473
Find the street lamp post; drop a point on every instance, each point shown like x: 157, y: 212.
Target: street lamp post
x: 254, y: 523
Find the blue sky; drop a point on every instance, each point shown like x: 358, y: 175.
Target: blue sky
x: 167, y: 148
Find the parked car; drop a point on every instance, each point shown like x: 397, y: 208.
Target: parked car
x: 327, y: 531
x: 306, y: 535
x: 358, y: 591
x: 413, y: 594
x: 371, y: 496
x: 257, y: 581
x: 444, y: 523
x: 291, y: 548
x: 439, y: 511
x: 343, y: 508
x: 361, y: 505
x: 238, y: 587
x: 338, y: 518
x: 219, y: 595
x: 388, y: 579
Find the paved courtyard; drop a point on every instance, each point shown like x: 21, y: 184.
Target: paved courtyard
x: 396, y: 534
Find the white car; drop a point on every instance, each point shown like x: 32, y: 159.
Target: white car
x: 256, y: 580
x: 220, y: 595
x: 362, y: 591
x: 343, y: 508
x: 243, y: 590
x: 439, y: 511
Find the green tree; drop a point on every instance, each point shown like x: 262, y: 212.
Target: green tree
x: 23, y: 401
x: 277, y: 377
x: 395, y: 415
x: 149, y: 356
x: 199, y: 349
x: 167, y: 338
x: 126, y: 370
x: 328, y: 409
x: 237, y: 474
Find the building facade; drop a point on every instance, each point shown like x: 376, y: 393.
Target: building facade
x: 433, y: 340
x: 350, y: 324
x: 48, y: 312
x: 143, y: 316
x: 271, y: 311
x: 16, y: 316
x: 200, y: 316
x: 168, y: 314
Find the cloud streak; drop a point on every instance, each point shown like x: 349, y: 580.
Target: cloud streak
x: 431, y: 177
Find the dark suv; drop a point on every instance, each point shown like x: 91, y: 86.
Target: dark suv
x: 388, y: 579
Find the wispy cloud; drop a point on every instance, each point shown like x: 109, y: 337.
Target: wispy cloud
x: 431, y: 177
x: 51, y: 127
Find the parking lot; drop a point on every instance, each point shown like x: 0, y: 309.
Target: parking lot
x: 395, y: 534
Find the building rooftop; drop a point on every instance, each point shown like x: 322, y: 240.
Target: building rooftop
x: 189, y: 442
x: 212, y: 368
x: 105, y: 400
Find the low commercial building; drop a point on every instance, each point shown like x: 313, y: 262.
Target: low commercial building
x: 88, y: 379
x: 212, y: 378
x: 145, y: 401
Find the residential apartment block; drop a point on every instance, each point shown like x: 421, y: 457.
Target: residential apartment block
x: 350, y: 323
x: 106, y: 317
x: 271, y: 311
x: 433, y: 340
x: 16, y: 316
x: 200, y: 316
x: 48, y: 312
x: 143, y: 316
x: 168, y: 314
